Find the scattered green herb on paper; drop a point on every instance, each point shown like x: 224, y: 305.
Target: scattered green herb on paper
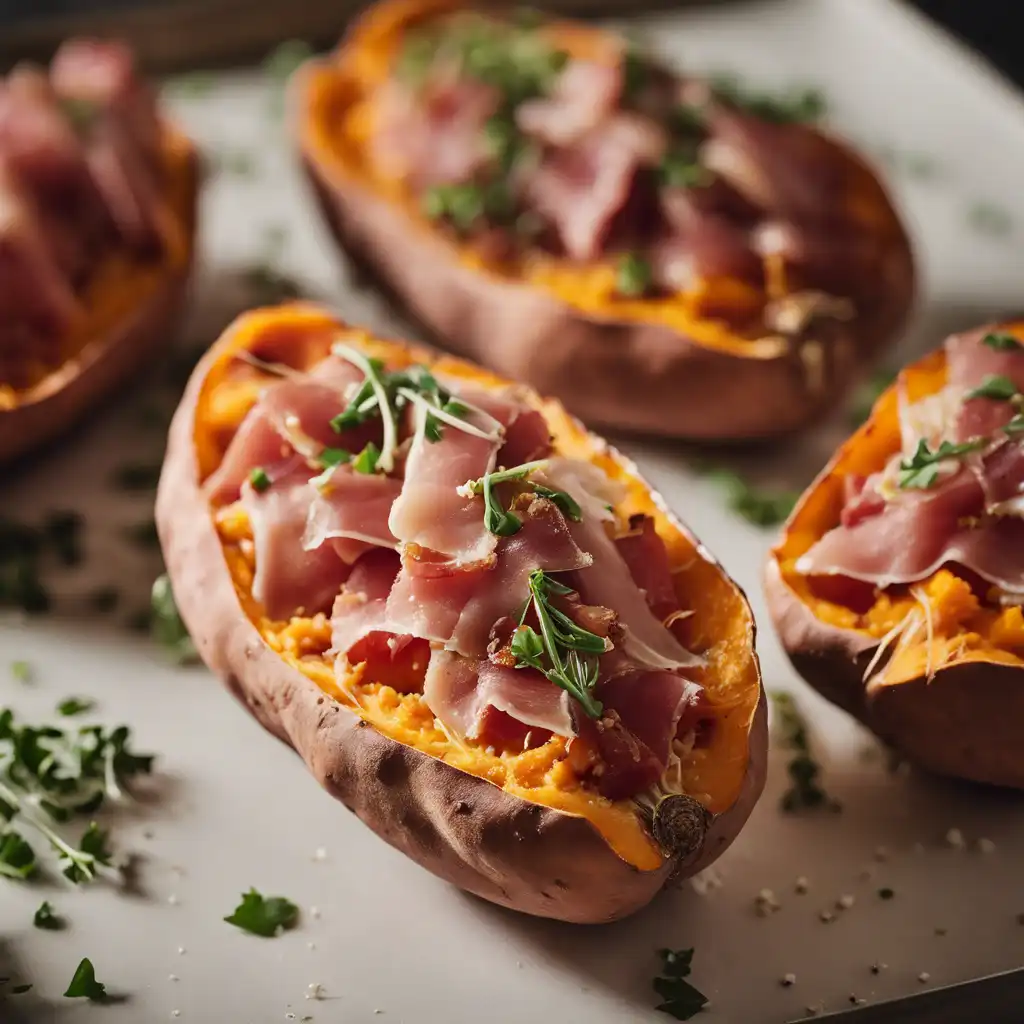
x: 989, y: 219
x: 679, y: 999
x: 47, y: 919
x: 755, y: 505
x: 71, y: 706
x: 21, y: 671
x: 84, y: 984
x: 166, y: 625
x: 266, y: 916
x: 805, y: 791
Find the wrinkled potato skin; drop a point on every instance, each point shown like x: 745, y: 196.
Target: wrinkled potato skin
x: 465, y: 830
x: 640, y: 377
x: 103, y: 366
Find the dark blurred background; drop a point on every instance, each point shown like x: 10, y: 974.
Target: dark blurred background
x: 206, y: 29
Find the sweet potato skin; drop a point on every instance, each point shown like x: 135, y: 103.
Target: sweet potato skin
x: 641, y: 377
x: 105, y: 363
x: 462, y: 828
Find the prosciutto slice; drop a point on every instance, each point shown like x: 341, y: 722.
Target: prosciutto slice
x: 585, y: 93
x: 289, y: 580
x: 969, y: 362
x: 460, y: 690
x: 458, y: 609
x: 359, y: 608
x: 351, y: 510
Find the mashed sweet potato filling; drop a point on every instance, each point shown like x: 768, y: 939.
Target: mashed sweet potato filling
x: 338, y: 121
x: 935, y: 623
x: 720, y: 628
x: 120, y: 285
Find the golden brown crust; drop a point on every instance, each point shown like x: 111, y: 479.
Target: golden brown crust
x: 460, y: 827
x: 644, y: 377
x: 104, y: 364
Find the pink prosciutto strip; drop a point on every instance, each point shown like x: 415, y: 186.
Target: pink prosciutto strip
x: 360, y: 608
x: 459, y: 609
x: 583, y: 96
x: 289, y: 580
x: 351, y: 508
x: 459, y: 690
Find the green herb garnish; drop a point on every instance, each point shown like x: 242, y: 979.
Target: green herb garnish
x: 1016, y: 425
x: 805, y: 791
x: 502, y: 522
x: 20, y: 990
x: 759, y: 507
x: 996, y: 387
x: 165, y: 623
x: 467, y: 205
x: 681, y: 169
x: 264, y: 915
x: 83, y: 863
x: 1002, y: 342
x: 793, y: 107
x: 75, y: 706
x: 46, y: 919
x: 194, y: 84
x: 21, y: 671
x: 990, y: 219
x: 367, y: 460
x: 634, y: 276
x: 680, y: 999
x: 259, y: 480
x: 636, y: 74
x: 17, y: 858
x: 84, y: 984
x: 81, y: 114
x: 563, y: 651
x: 238, y: 162
x: 280, y: 65
x: 921, y: 470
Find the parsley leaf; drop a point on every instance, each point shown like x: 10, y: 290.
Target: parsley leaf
x: 997, y: 387
x: 17, y: 858
x: 92, y: 851
x: 367, y: 460
x: 264, y: 915
x: 84, y: 984
x: 634, y: 276
x: 75, y: 706
x: 680, y: 1000
x: 166, y: 625
x: 760, y: 507
x: 46, y: 919
x: 921, y: 470
x: 21, y: 671
x: 805, y: 791
x: 792, y: 107
x: 1002, y: 342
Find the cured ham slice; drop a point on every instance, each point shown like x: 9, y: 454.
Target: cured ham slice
x: 585, y: 93
x: 460, y: 690
x: 351, y: 510
x: 359, y: 609
x: 969, y: 362
x: 646, y: 557
x: 459, y: 609
x: 580, y: 190
x: 289, y: 580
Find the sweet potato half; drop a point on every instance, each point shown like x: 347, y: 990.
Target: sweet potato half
x: 517, y: 827
x: 726, y: 356
x: 933, y: 666
x: 131, y: 309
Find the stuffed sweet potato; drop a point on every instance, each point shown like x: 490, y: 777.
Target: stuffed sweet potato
x: 898, y: 583
x: 661, y: 253
x: 97, y: 218
x: 477, y: 625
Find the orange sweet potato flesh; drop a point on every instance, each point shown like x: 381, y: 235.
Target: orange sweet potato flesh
x: 518, y: 829
x: 951, y: 702
x: 131, y: 313
x: 661, y: 366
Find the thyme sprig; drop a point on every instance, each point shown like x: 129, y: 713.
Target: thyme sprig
x: 563, y: 651
x: 503, y: 522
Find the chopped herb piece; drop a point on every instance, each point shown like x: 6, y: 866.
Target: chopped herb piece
x: 264, y: 915
x: 680, y: 169
x: 568, y: 653
x: 238, y: 162
x: 194, y: 84
x: 634, y: 276
x: 794, y: 106
x: 81, y: 113
x: 82, y: 864
x: 21, y: 586
x: 143, y: 534
x: 680, y: 1000
x: 64, y: 532
x: 503, y: 523
x: 20, y: 990
x: 367, y: 460
x: 636, y: 73
x: 282, y: 62
x: 885, y: 893
x: 1002, y: 342
x: 505, y: 141
x: 46, y: 919
x: 259, y: 480
x: 566, y: 502
x: 165, y: 622
x: 996, y: 387
x: 136, y: 477
x: 867, y: 394
x: 990, y: 219
x: 75, y: 706
x: 1016, y: 425
x: 104, y: 599
x: 331, y: 457
x: 759, y: 507
x: 84, y: 984
x: 921, y: 470
x: 17, y: 858
x: 418, y: 50
x: 21, y: 671
x: 465, y: 206
x: 688, y: 121
x: 805, y: 791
